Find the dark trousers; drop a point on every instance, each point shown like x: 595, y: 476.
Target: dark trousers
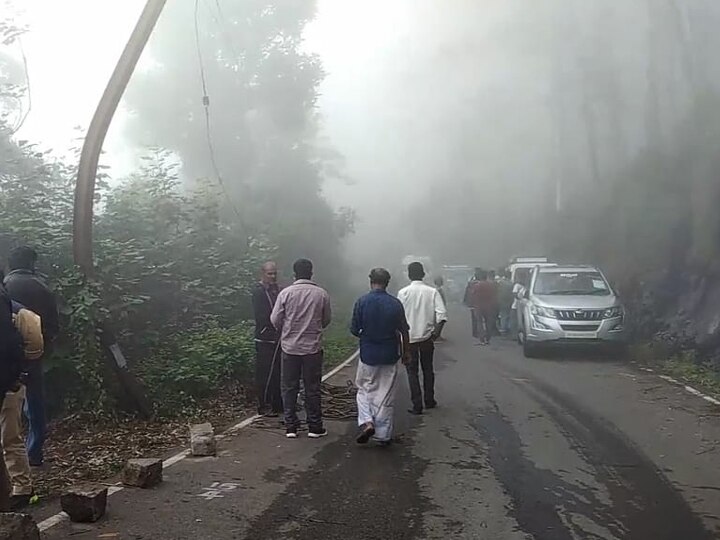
x: 267, y: 376
x: 483, y: 324
x: 35, y: 412
x: 421, y: 357
x: 309, y: 367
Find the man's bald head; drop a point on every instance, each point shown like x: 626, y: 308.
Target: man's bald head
x: 269, y: 273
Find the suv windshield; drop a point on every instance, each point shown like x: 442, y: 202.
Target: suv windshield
x: 571, y: 283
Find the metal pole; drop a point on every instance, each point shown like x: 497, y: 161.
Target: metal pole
x: 87, y: 171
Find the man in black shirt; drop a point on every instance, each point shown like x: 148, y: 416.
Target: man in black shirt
x: 27, y: 288
x: 267, y: 360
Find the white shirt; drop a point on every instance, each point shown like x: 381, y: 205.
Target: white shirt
x: 424, y: 309
x: 516, y: 289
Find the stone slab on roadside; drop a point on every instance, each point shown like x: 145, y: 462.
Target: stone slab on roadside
x: 18, y: 527
x: 84, y: 503
x: 202, y: 440
x: 143, y: 472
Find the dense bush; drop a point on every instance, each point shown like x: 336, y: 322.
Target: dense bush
x: 196, y: 364
x: 166, y: 260
x: 174, y: 271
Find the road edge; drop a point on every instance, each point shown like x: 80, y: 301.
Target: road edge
x: 60, y: 517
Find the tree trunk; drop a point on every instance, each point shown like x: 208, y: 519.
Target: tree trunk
x: 85, y: 189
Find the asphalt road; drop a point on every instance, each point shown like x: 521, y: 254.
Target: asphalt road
x: 553, y: 449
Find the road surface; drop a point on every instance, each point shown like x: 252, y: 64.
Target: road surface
x: 549, y: 449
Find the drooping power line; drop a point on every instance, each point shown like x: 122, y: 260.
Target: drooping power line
x: 28, y: 88
x: 208, y: 126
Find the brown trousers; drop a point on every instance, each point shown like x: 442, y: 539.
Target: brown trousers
x: 4, y: 483
x: 13, y: 445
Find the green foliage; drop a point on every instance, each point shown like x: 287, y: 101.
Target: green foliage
x: 174, y: 260
x: 688, y: 369
x: 166, y: 261
x: 172, y: 256
x: 262, y: 87
x: 196, y: 364
x: 338, y: 342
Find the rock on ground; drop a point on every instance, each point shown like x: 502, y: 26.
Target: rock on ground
x: 143, y: 473
x: 84, y: 503
x: 18, y: 527
x: 202, y: 440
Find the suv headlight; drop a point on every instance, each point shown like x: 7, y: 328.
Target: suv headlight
x: 613, y: 312
x: 541, y: 311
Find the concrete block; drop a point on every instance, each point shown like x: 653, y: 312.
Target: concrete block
x: 202, y: 440
x: 18, y: 527
x: 143, y: 473
x: 85, y: 503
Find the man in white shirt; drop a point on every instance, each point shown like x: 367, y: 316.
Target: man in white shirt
x: 426, y: 315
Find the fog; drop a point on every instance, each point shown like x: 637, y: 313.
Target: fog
x: 474, y: 132
x: 356, y: 133
x: 467, y: 131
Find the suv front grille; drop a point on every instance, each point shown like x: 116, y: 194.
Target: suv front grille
x: 579, y: 314
x: 580, y: 327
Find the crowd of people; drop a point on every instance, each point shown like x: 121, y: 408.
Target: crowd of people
x: 289, y: 324
x: 28, y: 327
x: 492, y: 300
x: 391, y: 330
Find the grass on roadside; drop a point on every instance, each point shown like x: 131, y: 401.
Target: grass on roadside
x: 339, y: 343
x: 688, y: 371
x: 686, y: 367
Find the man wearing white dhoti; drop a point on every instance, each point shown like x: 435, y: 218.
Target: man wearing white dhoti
x: 379, y: 321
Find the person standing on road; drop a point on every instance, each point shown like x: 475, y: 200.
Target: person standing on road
x: 440, y: 286
x: 12, y: 364
x: 300, y: 314
x: 482, y: 299
x: 267, y: 353
x: 505, y: 302
x: 379, y: 321
x: 426, y: 315
x: 29, y: 326
x: 494, y: 328
x: 474, y: 323
x: 27, y: 288
x: 521, y: 282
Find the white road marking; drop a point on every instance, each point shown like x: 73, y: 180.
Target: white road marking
x: 215, y: 491
x: 62, y: 516
x: 169, y: 462
x: 52, y: 521
x: 345, y: 364
x: 690, y: 390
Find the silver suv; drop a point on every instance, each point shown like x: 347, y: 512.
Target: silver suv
x: 569, y: 304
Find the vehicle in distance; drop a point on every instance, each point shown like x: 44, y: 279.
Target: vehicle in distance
x: 520, y: 268
x: 566, y: 305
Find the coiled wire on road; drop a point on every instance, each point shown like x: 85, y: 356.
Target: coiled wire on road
x: 338, y: 403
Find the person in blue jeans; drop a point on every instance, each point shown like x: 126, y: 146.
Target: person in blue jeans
x: 26, y: 287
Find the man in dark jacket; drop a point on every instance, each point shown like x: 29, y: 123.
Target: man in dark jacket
x: 27, y: 288
x: 267, y: 360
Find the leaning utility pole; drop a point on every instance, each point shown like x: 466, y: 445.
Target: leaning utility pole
x: 85, y: 193
x: 87, y: 171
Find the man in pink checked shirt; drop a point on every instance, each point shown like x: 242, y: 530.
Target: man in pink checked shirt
x: 300, y: 314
